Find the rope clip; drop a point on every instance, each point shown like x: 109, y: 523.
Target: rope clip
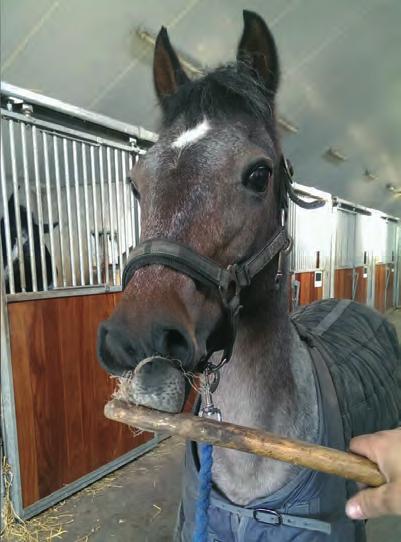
x: 209, y: 410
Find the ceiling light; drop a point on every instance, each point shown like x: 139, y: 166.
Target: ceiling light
x: 287, y: 126
x: 369, y: 175
x: 334, y: 155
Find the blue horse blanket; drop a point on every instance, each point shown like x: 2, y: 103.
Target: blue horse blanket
x: 357, y: 367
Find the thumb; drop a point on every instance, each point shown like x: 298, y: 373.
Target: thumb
x: 369, y: 503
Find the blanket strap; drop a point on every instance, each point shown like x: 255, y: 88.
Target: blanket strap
x: 274, y: 517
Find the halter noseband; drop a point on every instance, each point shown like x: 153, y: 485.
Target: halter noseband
x: 228, y: 281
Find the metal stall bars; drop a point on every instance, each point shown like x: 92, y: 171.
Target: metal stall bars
x: 64, y: 229
x: 312, y: 231
x: 69, y: 221
x: 353, y: 252
x: 397, y: 277
x: 385, y: 257
x: 391, y: 261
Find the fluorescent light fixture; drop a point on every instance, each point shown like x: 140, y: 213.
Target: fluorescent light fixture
x: 369, y: 175
x: 334, y: 155
x: 395, y: 190
x: 287, y: 126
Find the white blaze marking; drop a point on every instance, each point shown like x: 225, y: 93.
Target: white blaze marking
x: 192, y: 135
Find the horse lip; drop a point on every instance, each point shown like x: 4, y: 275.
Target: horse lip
x: 177, y: 364
x: 154, y: 383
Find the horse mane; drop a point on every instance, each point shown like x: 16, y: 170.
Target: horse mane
x: 227, y: 91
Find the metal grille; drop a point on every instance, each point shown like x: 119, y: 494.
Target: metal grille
x: 69, y: 217
x: 311, y: 231
x: 389, y: 255
x: 345, y: 239
x: 364, y: 235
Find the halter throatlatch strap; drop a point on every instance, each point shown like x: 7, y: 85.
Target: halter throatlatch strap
x: 228, y: 281
x: 290, y: 191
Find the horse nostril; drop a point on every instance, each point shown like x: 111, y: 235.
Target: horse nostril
x: 115, y: 351
x: 120, y: 350
x: 174, y: 343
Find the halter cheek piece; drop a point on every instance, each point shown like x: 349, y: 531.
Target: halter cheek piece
x: 228, y: 281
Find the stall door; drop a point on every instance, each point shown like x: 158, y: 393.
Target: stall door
x: 69, y: 221
x: 346, y: 275
x: 385, y: 268
x: 311, y: 230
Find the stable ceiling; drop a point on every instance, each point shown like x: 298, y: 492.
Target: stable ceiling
x: 341, y: 63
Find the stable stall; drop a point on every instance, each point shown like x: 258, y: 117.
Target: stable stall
x: 353, y: 252
x: 68, y: 208
x: 343, y: 250
x: 385, y: 256
x: 310, y: 260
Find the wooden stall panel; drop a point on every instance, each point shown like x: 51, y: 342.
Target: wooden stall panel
x: 380, y: 286
x: 390, y: 286
x: 343, y: 283
x: 398, y: 301
x: 361, y: 291
x: 60, y: 391
x: 308, y: 292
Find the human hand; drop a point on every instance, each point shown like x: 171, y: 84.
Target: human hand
x: 384, y: 448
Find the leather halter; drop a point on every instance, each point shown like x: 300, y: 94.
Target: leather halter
x: 228, y: 281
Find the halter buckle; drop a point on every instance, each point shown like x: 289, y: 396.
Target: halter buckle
x: 230, y: 292
x: 290, y: 245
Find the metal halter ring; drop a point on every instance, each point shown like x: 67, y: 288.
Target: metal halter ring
x: 289, y: 247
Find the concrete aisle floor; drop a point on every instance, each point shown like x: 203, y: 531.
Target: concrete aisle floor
x: 138, y: 503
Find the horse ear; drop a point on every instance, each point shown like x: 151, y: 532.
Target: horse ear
x: 258, y: 49
x: 168, y: 74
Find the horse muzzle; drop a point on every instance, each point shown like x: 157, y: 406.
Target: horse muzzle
x: 157, y: 383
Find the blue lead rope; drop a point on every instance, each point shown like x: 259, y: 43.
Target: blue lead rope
x: 205, y: 486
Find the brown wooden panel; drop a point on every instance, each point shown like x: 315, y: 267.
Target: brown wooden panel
x: 361, y: 292
x: 25, y: 415
x: 343, y: 284
x: 380, y: 284
x: 60, y: 391
x: 307, y: 290
x: 398, y: 301
x: 390, y: 287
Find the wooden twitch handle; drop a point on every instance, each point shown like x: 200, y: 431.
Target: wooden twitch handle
x: 255, y: 441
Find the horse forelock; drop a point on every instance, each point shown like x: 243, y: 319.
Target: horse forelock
x: 223, y: 93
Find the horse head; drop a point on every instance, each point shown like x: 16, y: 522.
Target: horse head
x: 212, y: 183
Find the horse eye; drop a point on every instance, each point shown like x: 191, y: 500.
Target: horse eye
x: 257, y: 179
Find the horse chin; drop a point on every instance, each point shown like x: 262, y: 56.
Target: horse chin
x: 155, y: 383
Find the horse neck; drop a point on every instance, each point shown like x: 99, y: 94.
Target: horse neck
x: 258, y: 382
x: 267, y: 384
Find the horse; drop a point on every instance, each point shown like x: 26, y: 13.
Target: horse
x: 26, y: 254
x: 209, y: 275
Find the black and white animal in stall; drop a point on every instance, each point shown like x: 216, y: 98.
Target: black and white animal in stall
x: 25, y: 249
